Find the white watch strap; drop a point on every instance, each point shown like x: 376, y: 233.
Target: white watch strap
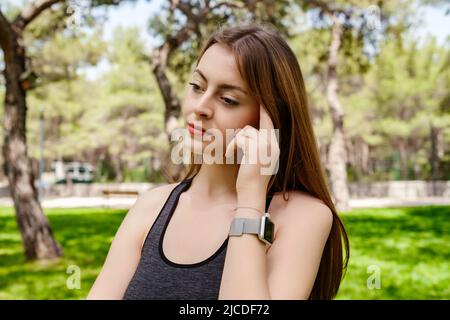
x: 240, y: 226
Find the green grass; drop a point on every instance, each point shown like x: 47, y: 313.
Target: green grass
x: 409, y: 246
x: 85, y: 235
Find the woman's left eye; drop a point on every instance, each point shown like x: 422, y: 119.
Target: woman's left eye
x: 230, y: 102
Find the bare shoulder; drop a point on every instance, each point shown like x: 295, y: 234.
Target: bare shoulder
x: 147, y: 207
x: 154, y: 196
x: 149, y: 203
x: 301, y: 207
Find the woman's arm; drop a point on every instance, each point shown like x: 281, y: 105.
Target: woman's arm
x: 125, y: 251
x: 295, y: 254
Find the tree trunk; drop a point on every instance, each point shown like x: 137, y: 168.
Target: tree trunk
x: 119, y: 168
x: 337, y: 153
x: 436, y: 151
x: 365, y: 157
x: 172, y: 112
x: 358, y: 155
x: 37, y: 236
x: 403, y: 159
x: 171, y: 101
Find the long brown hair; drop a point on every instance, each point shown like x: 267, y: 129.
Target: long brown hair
x: 273, y: 75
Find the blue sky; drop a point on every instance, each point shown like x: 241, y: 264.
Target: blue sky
x: 132, y: 15
x: 435, y: 22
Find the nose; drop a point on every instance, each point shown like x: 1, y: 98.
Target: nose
x: 202, y: 108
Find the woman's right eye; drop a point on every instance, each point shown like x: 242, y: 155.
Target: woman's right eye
x: 194, y: 86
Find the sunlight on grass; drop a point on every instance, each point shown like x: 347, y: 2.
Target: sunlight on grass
x: 409, y: 246
x: 85, y: 235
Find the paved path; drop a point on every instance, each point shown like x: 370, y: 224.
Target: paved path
x: 126, y: 203
x: 394, y: 202
x: 79, y: 202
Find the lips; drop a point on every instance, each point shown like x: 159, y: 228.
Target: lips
x: 196, y: 130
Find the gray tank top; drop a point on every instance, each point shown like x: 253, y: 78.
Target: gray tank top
x: 157, y: 278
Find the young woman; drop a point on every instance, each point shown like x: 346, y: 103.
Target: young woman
x: 198, y: 239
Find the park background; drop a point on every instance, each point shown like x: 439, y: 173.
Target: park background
x: 95, y: 89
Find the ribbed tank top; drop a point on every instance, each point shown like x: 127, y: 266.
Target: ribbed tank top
x: 157, y: 278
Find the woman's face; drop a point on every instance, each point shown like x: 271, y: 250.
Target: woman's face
x: 217, y: 97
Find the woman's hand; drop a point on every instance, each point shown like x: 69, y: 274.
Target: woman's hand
x: 260, y: 148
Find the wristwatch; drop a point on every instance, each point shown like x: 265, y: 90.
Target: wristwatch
x: 263, y: 227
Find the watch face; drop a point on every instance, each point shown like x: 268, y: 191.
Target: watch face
x: 269, y: 229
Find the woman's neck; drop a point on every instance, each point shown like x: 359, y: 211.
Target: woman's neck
x: 216, y: 181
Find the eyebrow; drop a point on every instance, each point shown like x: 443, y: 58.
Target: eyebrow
x: 224, y: 85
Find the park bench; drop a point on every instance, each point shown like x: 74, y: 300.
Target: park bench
x: 107, y: 193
